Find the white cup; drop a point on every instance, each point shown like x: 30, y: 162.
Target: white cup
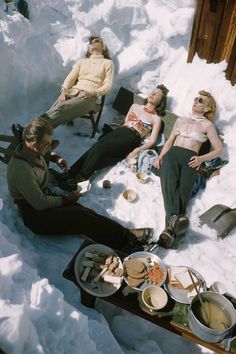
x: 218, y: 287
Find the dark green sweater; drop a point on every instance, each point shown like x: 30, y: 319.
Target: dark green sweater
x: 27, y: 178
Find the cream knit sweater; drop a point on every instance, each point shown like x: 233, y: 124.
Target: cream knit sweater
x: 91, y: 74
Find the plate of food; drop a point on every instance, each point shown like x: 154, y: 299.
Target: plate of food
x: 142, y: 269
x: 182, y: 282
x: 98, y: 270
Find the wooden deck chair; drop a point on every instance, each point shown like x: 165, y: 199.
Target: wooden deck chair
x: 7, y: 151
x: 94, y: 116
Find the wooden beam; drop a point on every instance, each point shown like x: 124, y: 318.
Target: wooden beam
x: 195, y: 29
x: 231, y: 68
x: 226, y: 34
x: 216, y: 29
x: 209, y: 28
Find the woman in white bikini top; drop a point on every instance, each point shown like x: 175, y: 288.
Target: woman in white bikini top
x: 191, y: 132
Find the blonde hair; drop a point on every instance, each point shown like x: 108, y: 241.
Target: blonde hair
x: 212, y: 105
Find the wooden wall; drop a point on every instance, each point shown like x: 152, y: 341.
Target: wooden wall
x: 214, y: 34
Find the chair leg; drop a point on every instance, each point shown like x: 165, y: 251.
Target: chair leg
x: 91, y: 115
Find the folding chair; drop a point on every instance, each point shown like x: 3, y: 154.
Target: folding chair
x: 17, y: 130
x: 94, y: 117
x: 6, y: 152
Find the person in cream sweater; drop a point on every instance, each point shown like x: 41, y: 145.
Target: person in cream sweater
x: 89, y: 79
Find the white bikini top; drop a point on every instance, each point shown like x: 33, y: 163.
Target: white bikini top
x: 201, y: 137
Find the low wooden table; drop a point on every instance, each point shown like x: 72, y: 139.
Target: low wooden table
x: 131, y: 304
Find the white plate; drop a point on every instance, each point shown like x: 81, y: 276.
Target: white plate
x: 181, y: 295
x: 100, y: 288
x: 142, y: 256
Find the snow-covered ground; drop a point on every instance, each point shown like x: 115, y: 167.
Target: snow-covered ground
x: 40, y: 311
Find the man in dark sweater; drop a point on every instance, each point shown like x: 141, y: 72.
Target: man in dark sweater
x: 47, y: 213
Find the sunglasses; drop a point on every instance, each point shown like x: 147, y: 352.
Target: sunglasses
x: 95, y: 40
x: 198, y: 99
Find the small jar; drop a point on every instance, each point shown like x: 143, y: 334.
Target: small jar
x: 133, y: 168
x: 106, y: 183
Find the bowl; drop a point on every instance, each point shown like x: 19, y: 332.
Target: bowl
x: 142, y: 177
x: 154, y: 297
x: 130, y: 195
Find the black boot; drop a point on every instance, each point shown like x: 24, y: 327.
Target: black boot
x: 139, y: 240
x: 166, y: 238
x: 140, y: 236
x: 178, y: 223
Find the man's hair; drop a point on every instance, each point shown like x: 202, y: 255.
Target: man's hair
x: 161, y: 108
x: 37, y: 129
x: 105, y: 51
x: 212, y: 105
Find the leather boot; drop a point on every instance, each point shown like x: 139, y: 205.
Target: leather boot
x: 178, y: 223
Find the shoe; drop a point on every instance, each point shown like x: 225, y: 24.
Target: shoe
x: 59, y: 176
x: 166, y: 238
x: 69, y: 185
x: 140, y: 236
x: 178, y: 223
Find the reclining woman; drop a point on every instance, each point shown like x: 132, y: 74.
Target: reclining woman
x: 90, y: 78
x: 141, y: 121
x: 179, y: 161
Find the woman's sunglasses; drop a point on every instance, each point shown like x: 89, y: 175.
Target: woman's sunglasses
x: 95, y: 40
x: 198, y: 99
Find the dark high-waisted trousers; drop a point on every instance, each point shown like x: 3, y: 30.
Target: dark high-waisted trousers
x: 177, y: 180
x: 74, y: 219
x: 110, y: 149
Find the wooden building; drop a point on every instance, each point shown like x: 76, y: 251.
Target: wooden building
x: 214, y: 34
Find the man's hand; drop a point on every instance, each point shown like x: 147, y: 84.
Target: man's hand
x: 157, y: 163
x: 62, y: 164
x: 74, y: 196
x: 86, y: 94
x: 195, y: 162
x: 62, y: 97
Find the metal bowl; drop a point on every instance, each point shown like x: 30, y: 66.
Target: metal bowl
x: 130, y: 195
x: 142, y: 177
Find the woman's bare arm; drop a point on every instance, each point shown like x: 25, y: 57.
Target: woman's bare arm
x: 168, y: 144
x: 217, y: 148
x: 153, y: 138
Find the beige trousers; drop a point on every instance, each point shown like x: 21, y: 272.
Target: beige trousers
x: 66, y: 111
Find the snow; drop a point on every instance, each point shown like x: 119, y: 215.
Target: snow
x: 40, y: 311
